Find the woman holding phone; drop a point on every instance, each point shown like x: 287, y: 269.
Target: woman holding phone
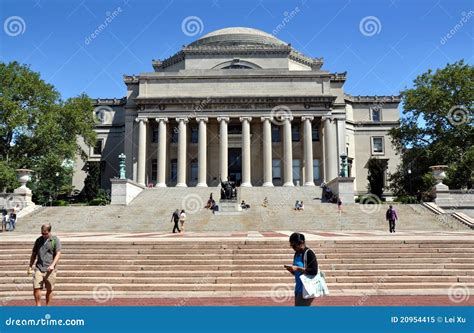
x: 304, y: 262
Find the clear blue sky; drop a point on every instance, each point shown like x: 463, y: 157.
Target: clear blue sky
x: 407, y: 40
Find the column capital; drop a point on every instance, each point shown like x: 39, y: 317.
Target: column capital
x: 163, y: 119
x: 182, y: 119
x: 330, y: 118
x: 286, y: 117
x: 226, y: 119
x: 310, y: 118
x: 242, y: 119
x: 204, y: 119
x: 269, y: 118
x: 138, y: 119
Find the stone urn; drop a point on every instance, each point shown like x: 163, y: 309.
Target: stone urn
x: 24, y: 175
x: 439, y: 173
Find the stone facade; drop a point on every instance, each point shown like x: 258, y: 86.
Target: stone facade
x: 239, y: 102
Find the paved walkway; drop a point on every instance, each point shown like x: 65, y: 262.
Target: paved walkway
x: 311, y: 235
x: 260, y: 301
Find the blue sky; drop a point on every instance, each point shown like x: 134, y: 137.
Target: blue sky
x: 407, y: 38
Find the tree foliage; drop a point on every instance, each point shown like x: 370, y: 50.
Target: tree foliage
x: 436, y: 128
x: 38, y: 130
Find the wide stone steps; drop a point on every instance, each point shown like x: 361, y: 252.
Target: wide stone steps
x: 206, y: 268
x: 154, y: 208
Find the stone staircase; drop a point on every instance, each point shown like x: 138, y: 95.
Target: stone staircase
x: 151, y: 211
x: 211, y: 268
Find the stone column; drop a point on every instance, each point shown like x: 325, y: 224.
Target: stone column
x: 182, y: 152
x: 223, y: 148
x: 267, y: 152
x: 246, y: 180
x: 141, y: 150
x: 202, y: 152
x: 161, y: 176
x: 287, y: 152
x: 330, y: 141
x: 308, y: 151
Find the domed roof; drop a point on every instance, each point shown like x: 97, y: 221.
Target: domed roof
x: 237, y: 36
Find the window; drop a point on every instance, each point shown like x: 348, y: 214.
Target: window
x: 194, y: 170
x: 376, y: 113
x: 174, y: 135
x: 194, y: 134
x: 98, y: 147
x: 296, y: 171
x: 295, y: 132
x: 316, y: 170
x: 234, y: 129
x: 276, y: 169
x: 377, y: 145
x: 276, y: 133
x: 315, y: 134
x: 236, y: 66
x: 154, y: 170
x: 174, y: 170
x: 154, y: 135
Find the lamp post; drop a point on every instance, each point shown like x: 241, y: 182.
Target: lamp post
x: 122, y: 165
x: 409, y: 181
x: 343, y: 172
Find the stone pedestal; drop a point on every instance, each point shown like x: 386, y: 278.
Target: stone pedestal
x: 344, y: 188
x: 22, y: 195
x: 124, y: 191
x: 441, y: 191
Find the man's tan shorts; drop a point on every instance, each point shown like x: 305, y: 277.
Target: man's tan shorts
x: 40, y: 279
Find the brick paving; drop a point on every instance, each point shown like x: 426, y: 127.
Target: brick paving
x: 260, y: 301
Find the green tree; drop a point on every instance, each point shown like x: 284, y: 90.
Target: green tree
x: 376, y: 173
x: 38, y: 130
x: 436, y: 128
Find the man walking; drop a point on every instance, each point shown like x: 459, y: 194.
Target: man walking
x: 175, y: 219
x: 46, y: 252
x: 391, y: 217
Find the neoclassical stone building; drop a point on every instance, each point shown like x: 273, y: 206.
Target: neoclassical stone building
x: 240, y: 103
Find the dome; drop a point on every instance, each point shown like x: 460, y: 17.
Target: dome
x: 237, y: 36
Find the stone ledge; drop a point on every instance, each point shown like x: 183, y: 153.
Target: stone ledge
x: 124, y: 191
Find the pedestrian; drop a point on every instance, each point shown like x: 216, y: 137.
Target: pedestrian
x: 304, y: 262
x: 182, y: 219
x: 4, y: 219
x: 46, y: 252
x: 13, y: 215
x: 391, y: 216
x: 339, y: 205
x: 175, y: 219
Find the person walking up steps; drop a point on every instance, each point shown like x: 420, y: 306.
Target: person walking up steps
x: 175, y: 219
x: 391, y: 217
x: 182, y: 219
